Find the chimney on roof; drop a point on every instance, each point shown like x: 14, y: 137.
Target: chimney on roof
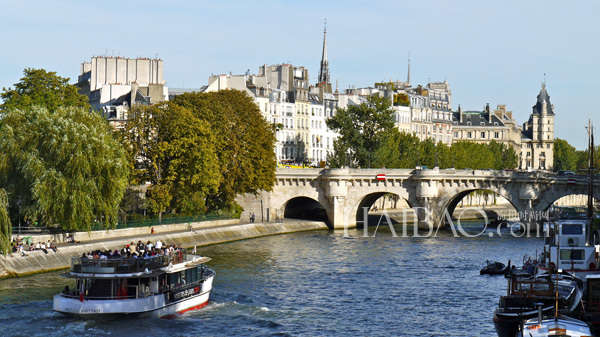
x: 487, y: 109
x: 460, y: 114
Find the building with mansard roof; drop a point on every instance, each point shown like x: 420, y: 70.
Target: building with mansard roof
x: 533, y: 141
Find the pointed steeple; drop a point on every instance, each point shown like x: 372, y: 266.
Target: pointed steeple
x: 324, y: 72
x: 408, y: 72
x: 543, y: 105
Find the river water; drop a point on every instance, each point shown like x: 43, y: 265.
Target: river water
x: 309, y: 284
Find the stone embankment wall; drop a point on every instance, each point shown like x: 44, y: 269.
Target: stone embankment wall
x: 38, y: 261
x: 129, y: 232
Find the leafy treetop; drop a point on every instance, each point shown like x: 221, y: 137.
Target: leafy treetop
x: 42, y: 88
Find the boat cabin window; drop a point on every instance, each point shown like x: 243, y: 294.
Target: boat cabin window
x: 184, y: 277
x: 114, y: 288
x: 572, y: 229
x: 572, y: 254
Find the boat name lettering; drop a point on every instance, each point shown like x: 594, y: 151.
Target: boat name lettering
x: 186, y: 293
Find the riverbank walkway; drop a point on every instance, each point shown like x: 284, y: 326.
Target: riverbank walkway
x: 204, y: 234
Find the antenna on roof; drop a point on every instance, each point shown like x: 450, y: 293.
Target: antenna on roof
x: 544, y: 83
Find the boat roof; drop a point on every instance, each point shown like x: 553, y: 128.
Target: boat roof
x: 125, y: 267
x: 195, y: 261
x: 113, y: 275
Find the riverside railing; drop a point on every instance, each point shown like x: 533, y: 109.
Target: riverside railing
x: 122, y: 225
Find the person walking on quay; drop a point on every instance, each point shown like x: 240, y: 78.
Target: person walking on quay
x: 252, y: 217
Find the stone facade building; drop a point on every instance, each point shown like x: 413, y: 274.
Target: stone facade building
x: 113, y: 84
x: 533, y: 142
x: 538, y: 134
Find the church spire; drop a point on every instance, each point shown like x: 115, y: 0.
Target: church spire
x: 408, y: 72
x: 324, y: 72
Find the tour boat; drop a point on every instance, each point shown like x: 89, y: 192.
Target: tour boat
x: 162, y: 286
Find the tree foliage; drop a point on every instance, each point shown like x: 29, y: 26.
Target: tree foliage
x: 244, y: 143
x: 565, y: 156
x: 362, y: 129
x: 63, y: 167
x: 41, y: 88
x: 402, y: 150
x: 175, y: 151
x: 5, y: 224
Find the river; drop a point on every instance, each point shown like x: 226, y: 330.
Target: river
x: 309, y: 284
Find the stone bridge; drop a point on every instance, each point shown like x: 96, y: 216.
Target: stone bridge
x: 340, y: 195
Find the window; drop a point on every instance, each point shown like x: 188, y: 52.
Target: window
x: 543, y: 154
x: 496, y: 134
x: 483, y: 135
x: 572, y: 254
x: 572, y: 229
x: 469, y: 135
x: 547, y: 146
x: 456, y: 135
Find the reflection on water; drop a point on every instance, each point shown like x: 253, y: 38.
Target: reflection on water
x: 313, y: 283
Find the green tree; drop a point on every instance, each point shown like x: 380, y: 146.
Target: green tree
x: 470, y: 155
x: 174, y: 150
x: 565, y: 156
x: 398, y: 150
x: 428, y: 153
x: 5, y: 225
x: 41, y: 88
x: 63, y: 167
x: 582, y: 159
x: 244, y: 143
x: 362, y: 129
x: 504, y: 156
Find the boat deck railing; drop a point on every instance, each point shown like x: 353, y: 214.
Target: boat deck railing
x: 124, y: 265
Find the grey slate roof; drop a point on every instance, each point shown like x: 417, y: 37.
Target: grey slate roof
x: 476, y: 118
x: 541, y: 97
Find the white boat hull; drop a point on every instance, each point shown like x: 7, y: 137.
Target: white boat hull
x: 155, y: 306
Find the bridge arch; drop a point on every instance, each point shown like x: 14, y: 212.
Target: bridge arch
x: 454, y: 200
x: 548, y: 199
x: 367, y: 201
x: 305, y: 208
